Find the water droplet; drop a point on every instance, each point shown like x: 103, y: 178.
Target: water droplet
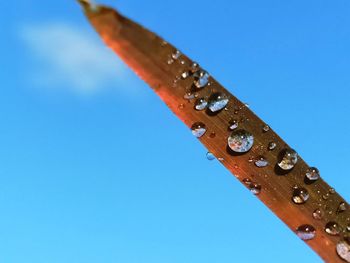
x: 201, y: 104
x: 261, y: 162
x: 170, y: 61
x: 201, y: 78
x: 325, y: 196
x: 185, y: 75
x: 312, y: 174
x: 210, y: 156
x: 198, y: 129
x: 181, y: 106
x: 288, y: 159
x: 240, y: 141
x: 272, y: 146
x: 233, y: 124
x: 217, y: 101
x: 194, y: 67
x: 176, y: 54
x: 333, y: 228
x: 306, y: 232
x: 163, y: 43
x: 348, y: 228
x: 331, y: 190
x: 221, y: 159
x: 300, y: 195
x: 266, y: 128
x: 255, y: 188
x: 343, y: 249
x: 212, y: 135
x: 246, y: 181
x: 182, y: 62
x: 342, y: 207
x: 189, y: 96
x: 317, y: 214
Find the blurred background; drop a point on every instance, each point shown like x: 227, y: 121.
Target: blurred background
x: 95, y: 168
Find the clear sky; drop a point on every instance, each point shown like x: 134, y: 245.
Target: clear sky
x: 93, y: 166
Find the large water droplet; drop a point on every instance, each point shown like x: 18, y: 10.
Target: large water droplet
x: 333, y: 228
x: 201, y: 78
x: 300, y: 195
x: 306, y: 232
x: 312, y: 174
x: 217, y: 101
x: 210, y: 156
x: 318, y: 214
x: 240, y: 141
x: 198, y: 129
x: 201, y: 104
x: 343, y: 249
x: 287, y: 159
x: 261, y: 162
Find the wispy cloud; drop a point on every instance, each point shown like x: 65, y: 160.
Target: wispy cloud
x: 73, y: 58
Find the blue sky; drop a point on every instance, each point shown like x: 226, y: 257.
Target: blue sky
x: 93, y: 166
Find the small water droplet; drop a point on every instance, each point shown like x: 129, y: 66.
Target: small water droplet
x: 246, y: 105
x: 201, y: 104
x: 194, y: 67
x: 198, y: 129
x: 217, y: 101
x: 212, y: 135
x: 342, y: 207
x: 333, y: 228
x: 331, y: 191
x: 176, y: 54
x: 170, y: 61
x: 312, y: 174
x: 348, y: 228
x: 189, y: 96
x: 163, y: 43
x: 221, y: 159
x: 185, y: 75
x: 255, y: 188
x: 272, y: 146
x: 325, y: 196
x: 261, y: 162
x: 182, y: 62
x: 300, y: 195
x: 240, y: 141
x: 201, y: 78
x: 288, y: 159
x: 210, y: 156
x: 266, y: 128
x: 181, y: 106
x: 233, y: 124
x: 318, y: 214
x: 343, y: 249
x: 306, y: 232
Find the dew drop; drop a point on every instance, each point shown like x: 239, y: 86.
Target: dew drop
x: 342, y: 207
x: 261, y: 162
x: 217, y: 101
x: 312, y: 174
x: 194, y: 67
x: 170, y: 61
x: 240, y: 141
x: 201, y: 78
x: 189, y: 96
x: 198, y: 129
x: 331, y: 190
x: 201, y: 104
x: 333, y: 228
x: 343, y: 249
x: 210, y: 156
x: 266, y: 128
x: 300, y: 195
x: 185, y: 75
x: 306, y: 232
x: 212, y: 135
x: 288, y: 159
x: 317, y: 214
x: 233, y: 124
x: 255, y: 188
x: 181, y: 106
x: 272, y: 146
x: 176, y: 54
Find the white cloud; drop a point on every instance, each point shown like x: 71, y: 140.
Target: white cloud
x: 73, y: 58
